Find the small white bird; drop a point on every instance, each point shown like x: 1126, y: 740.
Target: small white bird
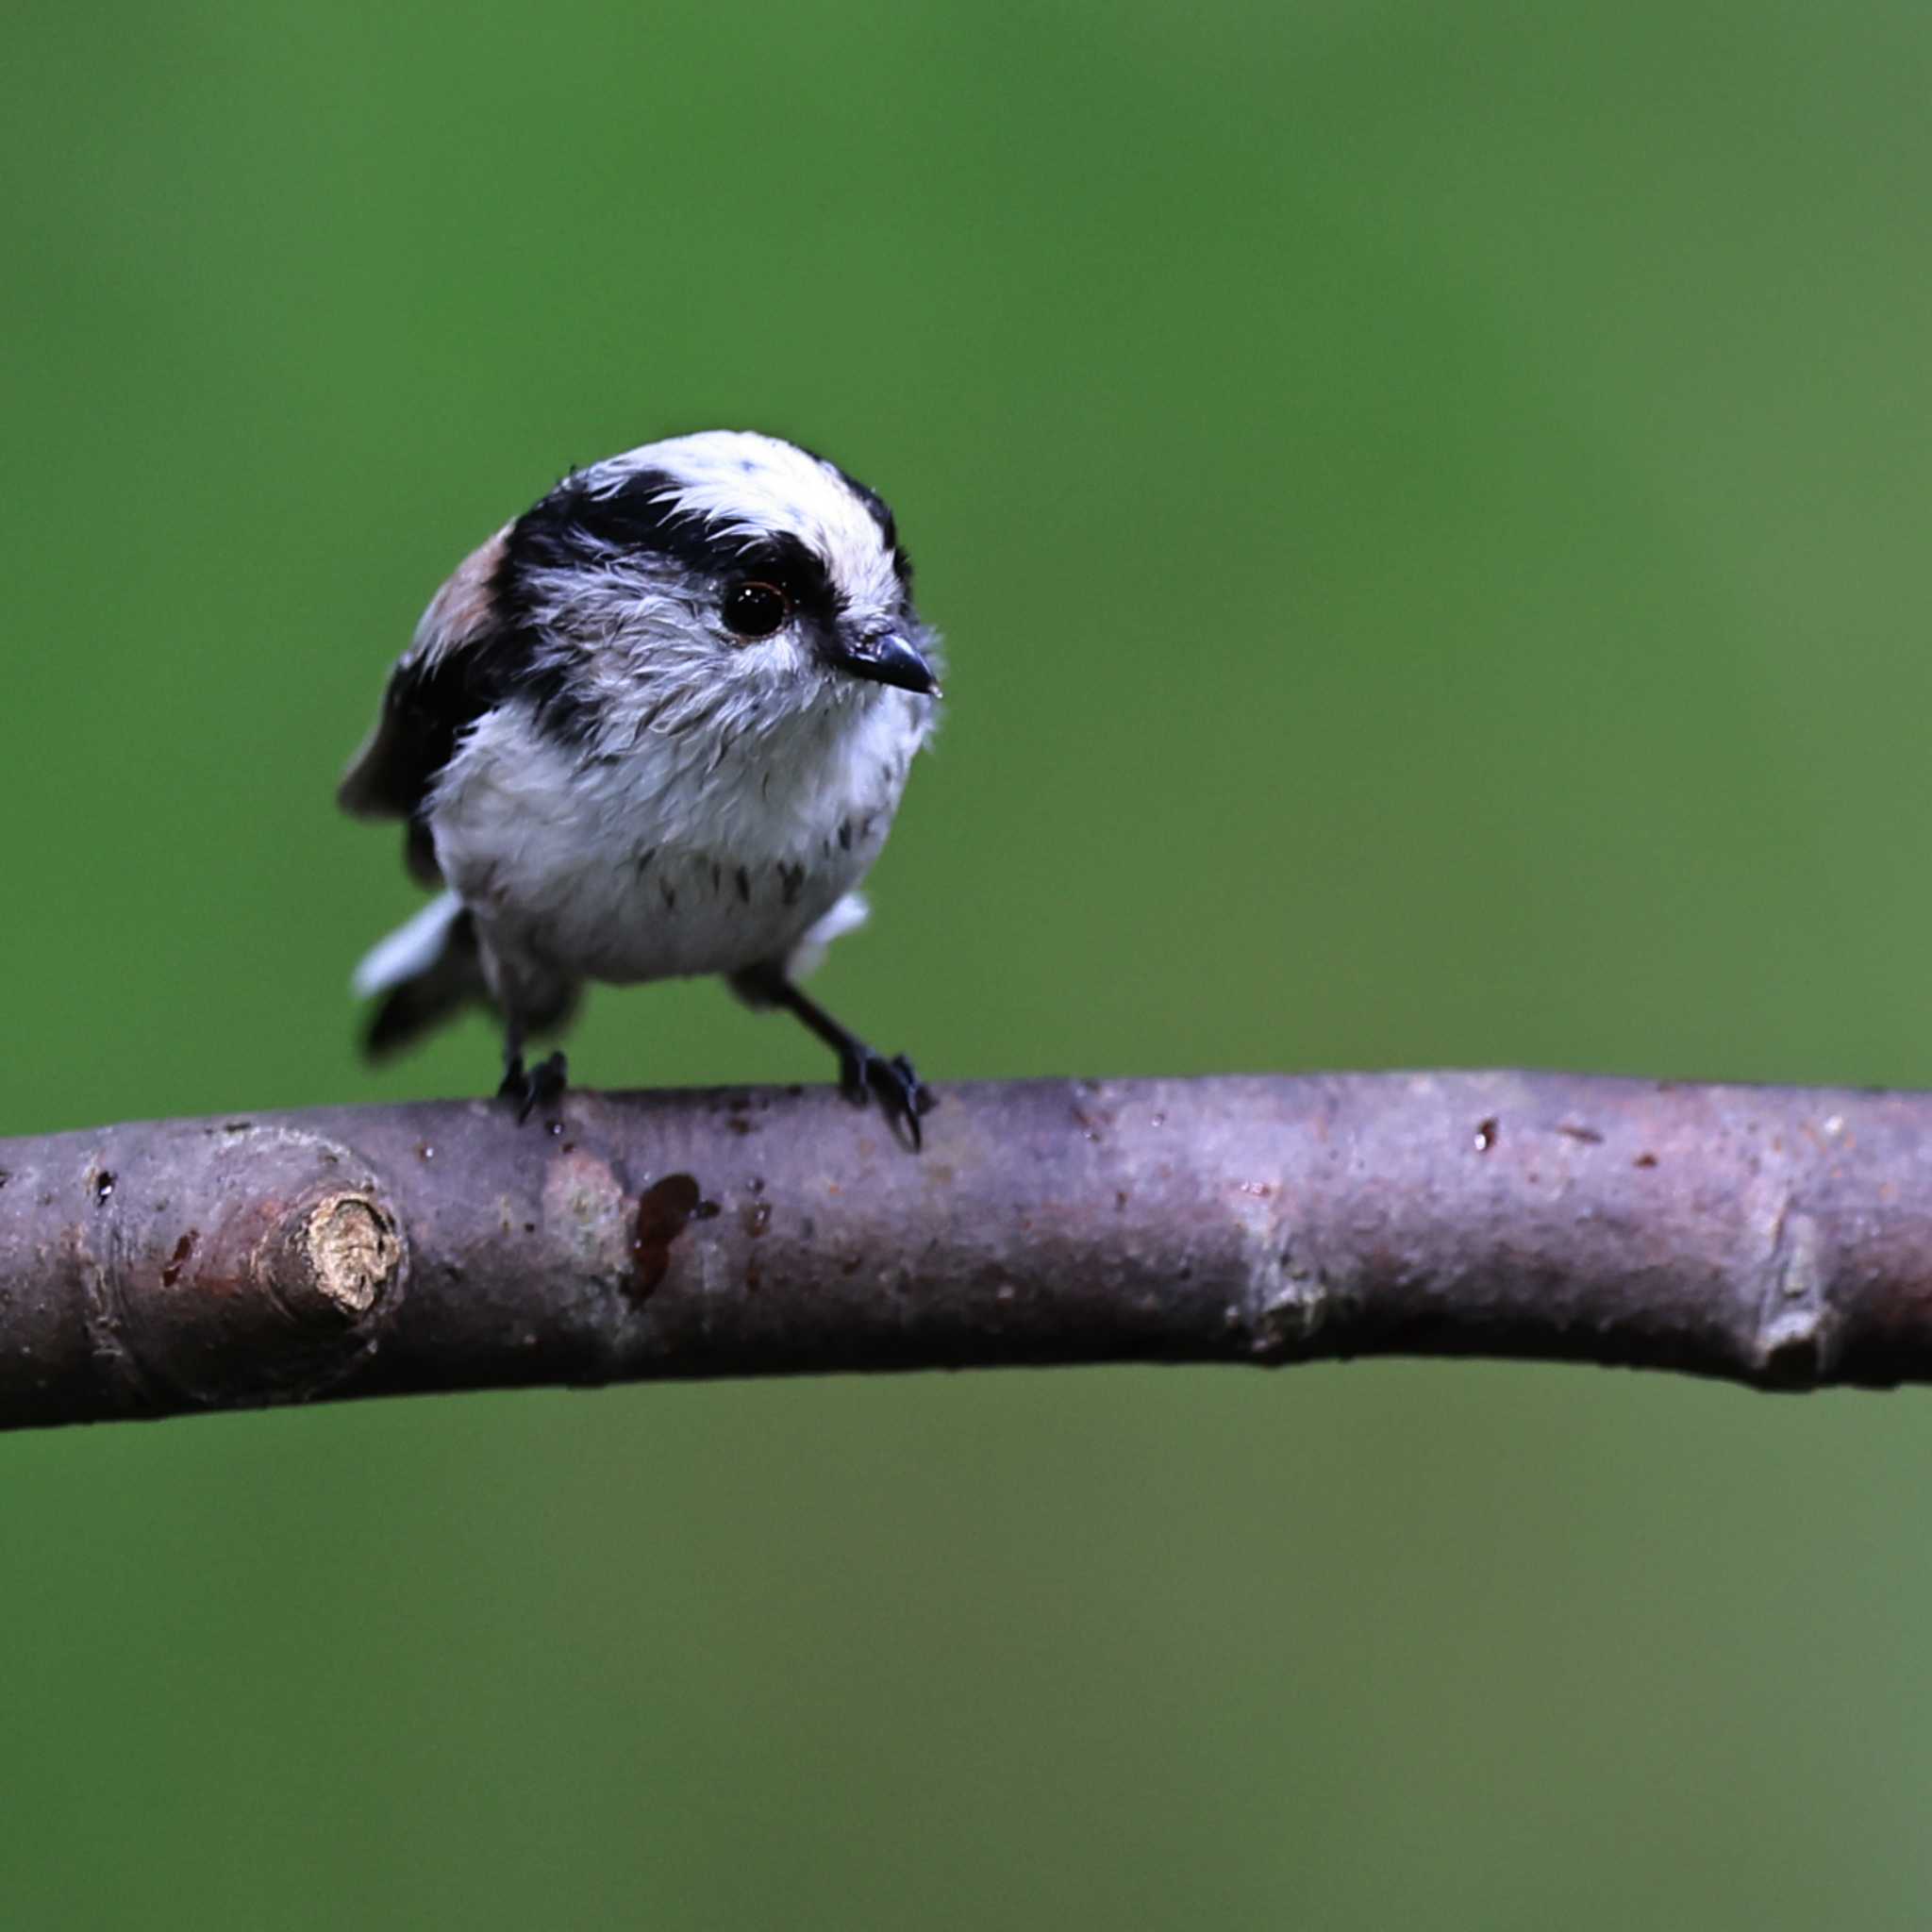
x: 657, y: 725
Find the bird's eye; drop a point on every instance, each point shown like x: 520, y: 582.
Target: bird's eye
x: 756, y: 609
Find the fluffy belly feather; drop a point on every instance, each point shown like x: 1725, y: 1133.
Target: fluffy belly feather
x: 681, y: 912
x: 594, y: 873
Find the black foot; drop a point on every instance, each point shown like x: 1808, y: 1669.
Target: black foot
x: 902, y: 1095
x: 541, y: 1086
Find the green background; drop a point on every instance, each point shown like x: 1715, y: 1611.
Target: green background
x: 1428, y: 507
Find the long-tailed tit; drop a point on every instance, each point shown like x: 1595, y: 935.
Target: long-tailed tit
x: 657, y: 725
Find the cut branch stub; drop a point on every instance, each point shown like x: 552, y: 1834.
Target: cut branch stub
x: 247, y: 1264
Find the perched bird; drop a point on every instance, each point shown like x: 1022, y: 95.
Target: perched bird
x: 657, y: 725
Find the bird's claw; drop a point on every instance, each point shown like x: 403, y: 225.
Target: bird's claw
x: 539, y: 1086
x: 902, y: 1095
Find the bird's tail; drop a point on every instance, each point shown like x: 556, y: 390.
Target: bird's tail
x: 424, y: 972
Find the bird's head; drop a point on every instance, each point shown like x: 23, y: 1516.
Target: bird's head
x: 725, y: 579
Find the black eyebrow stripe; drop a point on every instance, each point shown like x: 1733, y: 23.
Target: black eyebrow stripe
x: 794, y: 567
x: 575, y: 523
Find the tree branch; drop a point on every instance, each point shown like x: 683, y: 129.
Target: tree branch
x: 1778, y: 1236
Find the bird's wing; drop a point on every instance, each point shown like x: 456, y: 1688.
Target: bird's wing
x: 440, y: 686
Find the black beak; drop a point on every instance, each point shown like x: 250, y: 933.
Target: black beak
x: 885, y: 659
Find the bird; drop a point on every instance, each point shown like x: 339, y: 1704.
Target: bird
x: 657, y: 725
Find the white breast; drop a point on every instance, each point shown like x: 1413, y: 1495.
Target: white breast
x: 679, y: 858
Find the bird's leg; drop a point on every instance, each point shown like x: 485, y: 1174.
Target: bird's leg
x: 903, y: 1096
x: 539, y: 1086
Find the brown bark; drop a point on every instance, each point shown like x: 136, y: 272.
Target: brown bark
x: 1778, y: 1236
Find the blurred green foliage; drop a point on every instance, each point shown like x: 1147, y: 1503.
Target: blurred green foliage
x: 1427, y: 503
